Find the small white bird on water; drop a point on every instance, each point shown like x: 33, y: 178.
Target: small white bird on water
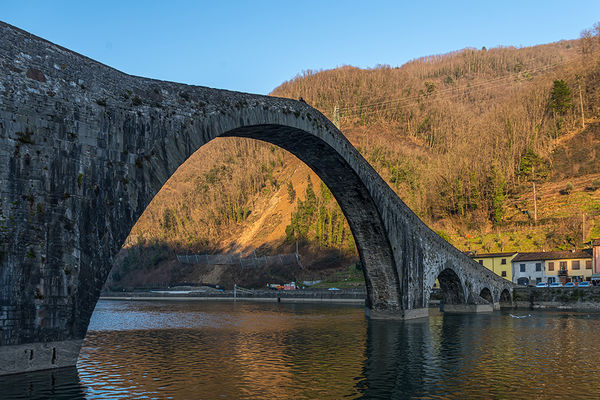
x: 520, y: 316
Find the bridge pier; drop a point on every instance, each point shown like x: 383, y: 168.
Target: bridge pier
x: 38, y: 356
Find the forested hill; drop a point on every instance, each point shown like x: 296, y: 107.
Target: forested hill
x: 453, y: 133
x: 461, y: 137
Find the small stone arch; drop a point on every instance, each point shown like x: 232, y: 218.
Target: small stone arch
x: 505, y: 298
x: 451, y: 287
x: 486, y: 294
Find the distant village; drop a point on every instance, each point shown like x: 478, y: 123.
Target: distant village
x: 552, y: 268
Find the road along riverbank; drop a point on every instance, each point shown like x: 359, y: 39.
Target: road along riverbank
x: 577, y: 299
x: 341, y: 296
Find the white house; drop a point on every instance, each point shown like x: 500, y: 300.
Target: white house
x: 529, y: 268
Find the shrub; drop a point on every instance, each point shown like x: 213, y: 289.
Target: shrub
x: 568, y: 189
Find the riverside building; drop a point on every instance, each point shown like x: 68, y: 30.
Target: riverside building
x: 498, y: 263
x: 530, y: 268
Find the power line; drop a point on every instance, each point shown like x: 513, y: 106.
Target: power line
x: 488, y: 84
x: 475, y: 87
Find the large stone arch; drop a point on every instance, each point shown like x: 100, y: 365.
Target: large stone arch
x: 83, y: 150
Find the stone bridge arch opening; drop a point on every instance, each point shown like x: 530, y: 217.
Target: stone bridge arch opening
x: 348, y: 189
x: 451, y: 288
x: 218, y: 151
x: 486, y: 294
x: 352, y: 196
x: 505, y: 298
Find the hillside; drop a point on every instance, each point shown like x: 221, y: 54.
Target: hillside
x: 461, y: 137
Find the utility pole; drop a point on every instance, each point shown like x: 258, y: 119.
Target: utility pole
x: 581, y: 103
x: 578, y: 77
x: 534, y: 196
x: 582, y: 227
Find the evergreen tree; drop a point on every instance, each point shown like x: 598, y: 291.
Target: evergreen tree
x: 561, y: 99
x: 291, y: 192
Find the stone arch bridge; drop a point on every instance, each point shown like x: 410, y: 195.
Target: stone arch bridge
x: 83, y: 150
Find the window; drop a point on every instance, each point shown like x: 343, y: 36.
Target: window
x: 481, y: 262
x: 503, y: 262
x: 538, y: 280
x: 504, y: 274
x: 538, y: 266
x: 563, y: 265
x: 522, y: 267
x: 575, y: 264
x: 551, y: 266
x: 588, y: 264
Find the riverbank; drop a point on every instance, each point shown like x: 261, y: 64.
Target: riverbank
x: 576, y: 299
x: 342, y: 296
x: 562, y: 298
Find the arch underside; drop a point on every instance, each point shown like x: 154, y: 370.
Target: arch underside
x: 451, y: 287
x: 505, y: 296
x: 486, y: 294
x: 354, y: 199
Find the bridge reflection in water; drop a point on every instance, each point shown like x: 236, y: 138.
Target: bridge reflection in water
x: 214, y: 350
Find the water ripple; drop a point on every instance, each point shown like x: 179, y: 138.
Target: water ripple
x: 195, y: 350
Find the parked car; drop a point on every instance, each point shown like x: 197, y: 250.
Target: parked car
x: 556, y: 284
x: 570, y: 284
x: 585, y: 284
x: 541, y: 284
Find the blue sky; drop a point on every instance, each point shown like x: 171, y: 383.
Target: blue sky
x: 253, y: 46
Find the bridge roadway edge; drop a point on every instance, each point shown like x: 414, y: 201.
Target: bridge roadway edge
x: 83, y: 150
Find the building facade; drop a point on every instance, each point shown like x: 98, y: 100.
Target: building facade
x: 552, y: 266
x: 529, y: 268
x: 596, y: 259
x: 498, y: 263
x: 569, y: 266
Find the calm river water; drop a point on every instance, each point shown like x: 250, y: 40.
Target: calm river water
x: 213, y: 350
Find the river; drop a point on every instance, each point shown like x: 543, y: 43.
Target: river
x: 222, y: 350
